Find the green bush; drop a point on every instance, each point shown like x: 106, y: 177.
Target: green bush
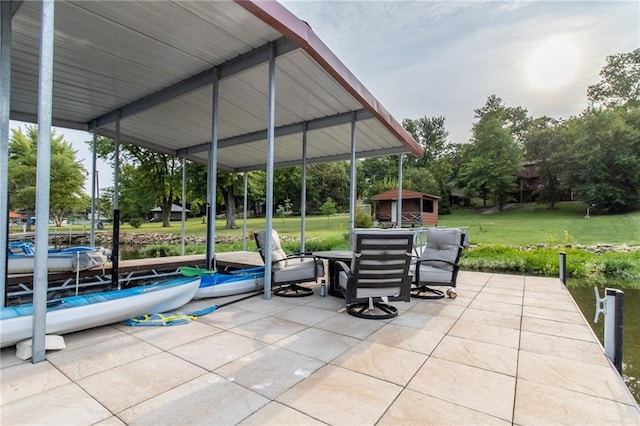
x: 545, y: 261
x: 363, y: 219
x: 135, y: 222
x: 160, y: 250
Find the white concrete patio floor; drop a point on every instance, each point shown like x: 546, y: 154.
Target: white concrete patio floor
x: 509, y: 350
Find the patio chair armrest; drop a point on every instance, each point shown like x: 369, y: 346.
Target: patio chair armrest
x: 419, y: 261
x: 301, y: 254
x: 275, y: 262
x: 341, y: 266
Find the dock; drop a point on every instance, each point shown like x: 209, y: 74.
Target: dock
x: 508, y: 350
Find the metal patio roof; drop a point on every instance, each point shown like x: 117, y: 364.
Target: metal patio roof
x: 151, y: 63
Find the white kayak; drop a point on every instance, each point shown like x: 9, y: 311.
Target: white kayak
x: 76, y: 313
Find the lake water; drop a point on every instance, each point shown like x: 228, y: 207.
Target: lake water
x: 584, y: 296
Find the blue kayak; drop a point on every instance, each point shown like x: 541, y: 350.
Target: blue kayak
x: 229, y: 283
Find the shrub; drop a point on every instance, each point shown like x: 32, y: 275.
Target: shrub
x: 363, y: 219
x: 160, y: 250
x: 135, y: 222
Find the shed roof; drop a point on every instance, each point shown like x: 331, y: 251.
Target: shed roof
x: 152, y: 65
x: 392, y: 194
x: 14, y: 215
x: 174, y: 209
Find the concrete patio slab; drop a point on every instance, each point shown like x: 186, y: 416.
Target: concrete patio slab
x: 509, y: 350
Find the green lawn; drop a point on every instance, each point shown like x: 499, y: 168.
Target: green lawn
x: 530, y: 225
x: 537, y: 224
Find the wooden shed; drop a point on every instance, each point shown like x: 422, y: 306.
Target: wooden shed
x: 417, y: 208
x: 176, y: 213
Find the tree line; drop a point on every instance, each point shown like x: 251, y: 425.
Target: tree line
x: 595, y: 156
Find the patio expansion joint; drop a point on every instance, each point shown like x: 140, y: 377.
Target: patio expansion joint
x: 515, y: 390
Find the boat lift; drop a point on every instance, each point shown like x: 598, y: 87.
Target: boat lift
x: 131, y: 273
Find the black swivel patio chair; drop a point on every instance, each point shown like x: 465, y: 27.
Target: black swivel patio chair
x: 379, y: 273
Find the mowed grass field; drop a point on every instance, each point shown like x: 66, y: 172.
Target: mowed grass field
x: 531, y: 224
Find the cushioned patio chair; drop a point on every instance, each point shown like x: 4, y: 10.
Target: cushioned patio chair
x: 438, y: 265
x: 379, y: 273
x: 287, y: 272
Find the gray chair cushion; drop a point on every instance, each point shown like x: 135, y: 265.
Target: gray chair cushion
x: 432, y: 275
x: 442, y: 244
x: 299, y: 269
x: 277, y: 253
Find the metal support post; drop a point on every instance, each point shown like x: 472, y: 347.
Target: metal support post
x: 43, y: 181
x: 270, y: 158
x: 353, y: 180
x: 563, y: 268
x: 5, y: 100
x: 212, y: 174
x: 303, y: 194
x: 612, y: 307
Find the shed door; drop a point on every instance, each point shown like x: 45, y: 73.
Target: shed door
x: 394, y: 211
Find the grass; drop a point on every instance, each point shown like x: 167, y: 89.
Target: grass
x: 497, y: 239
x: 534, y: 224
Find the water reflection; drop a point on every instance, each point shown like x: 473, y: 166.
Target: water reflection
x: 582, y: 292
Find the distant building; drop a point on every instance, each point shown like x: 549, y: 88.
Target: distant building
x: 16, y: 218
x: 417, y: 208
x: 176, y: 213
x: 528, y: 182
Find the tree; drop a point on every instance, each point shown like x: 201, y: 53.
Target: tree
x: 229, y: 187
x: 516, y: 119
x: 376, y: 175
x: 284, y: 210
x: 602, y: 159
x: 326, y: 180
x: 429, y: 132
x: 147, y: 178
x: 620, y: 83
x: 434, y: 174
x: 67, y: 175
x: 544, y: 144
x: 493, y: 160
x: 328, y: 209
x: 229, y: 184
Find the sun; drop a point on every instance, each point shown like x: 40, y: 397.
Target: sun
x: 553, y: 63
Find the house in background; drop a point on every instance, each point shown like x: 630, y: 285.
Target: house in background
x: 417, y: 208
x: 16, y: 218
x: 528, y: 182
x: 176, y: 213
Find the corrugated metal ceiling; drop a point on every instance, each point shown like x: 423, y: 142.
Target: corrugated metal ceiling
x: 152, y: 64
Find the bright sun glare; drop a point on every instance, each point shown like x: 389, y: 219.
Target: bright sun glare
x: 553, y: 63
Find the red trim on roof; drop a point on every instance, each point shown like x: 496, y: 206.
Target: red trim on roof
x: 281, y: 19
x: 392, y: 194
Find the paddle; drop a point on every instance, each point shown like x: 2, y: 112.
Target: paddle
x: 188, y: 271
x: 176, y: 318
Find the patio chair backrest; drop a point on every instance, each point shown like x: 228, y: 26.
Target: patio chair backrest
x: 381, y: 259
x: 277, y: 253
x: 443, y: 244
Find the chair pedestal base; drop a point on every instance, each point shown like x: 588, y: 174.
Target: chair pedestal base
x: 424, y: 292
x: 292, y: 290
x: 380, y: 310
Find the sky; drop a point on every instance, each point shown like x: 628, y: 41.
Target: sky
x: 445, y: 58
